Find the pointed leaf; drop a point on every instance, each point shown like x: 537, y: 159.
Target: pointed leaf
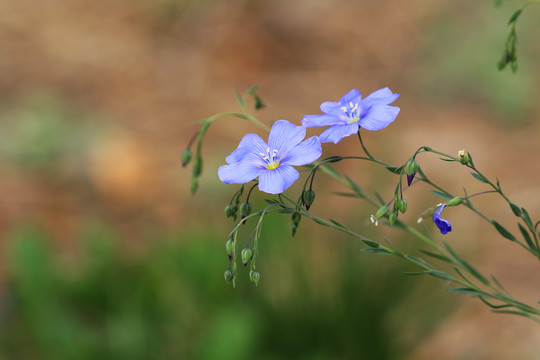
x: 436, y: 256
x: 370, y: 243
x: 465, y: 291
x: 527, y: 238
x: 479, y: 177
x: 338, y: 224
x: 515, y: 209
x: 252, y: 89
x: 439, y: 274
x: 505, y: 233
x: 442, y: 195
x: 383, y: 251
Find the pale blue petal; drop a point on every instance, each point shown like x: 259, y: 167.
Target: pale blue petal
x: 277, y: 180
x: 284, y: 136
x: 304, y: 153
x: 380, y: 97
x: 320, y: 120
x: 250, y: 147
x: 378, y: 117
x: 337, y: 132
x: 329, y: 106
x: 351, y: 96
x: 239, y: 173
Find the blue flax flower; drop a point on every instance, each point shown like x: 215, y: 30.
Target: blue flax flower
x: 352, y: 112
x: 273, y: 162
x: 443, y: 225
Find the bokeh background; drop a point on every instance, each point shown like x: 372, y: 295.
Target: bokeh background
x: 106, y: 254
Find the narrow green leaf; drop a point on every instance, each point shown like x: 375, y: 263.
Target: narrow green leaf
x: 394, y: 169
x: 370, y: 243
x: 497, y: 283
x: 465, y: 291
x: 505, y: 233
x: 240, y: 100
x: 383, y: 251
x: 287, y: 211
x: 331, y: 171
x: 527, y: 238
x: 321, y: 221
x: 436, y: 256
x: 241, y: 116
x: 252, y: 89
x: 525, y: 216
x: 333, y: 159
x: 449, y: 160
x: 419, y: 262
x: 439, y: 274
x: 346, y: 194
x: 479, y: 177
x: 442, y: 195
x: 514, y: 16
x: 338, y: 224
x: 515, y: 209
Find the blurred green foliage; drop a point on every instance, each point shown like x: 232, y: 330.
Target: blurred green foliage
x: 172, y: 303
x: 458, y: 63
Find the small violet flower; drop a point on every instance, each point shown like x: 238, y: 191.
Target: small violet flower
x: 442, y: 224
x: 352, y: 112
x: 273, y: 162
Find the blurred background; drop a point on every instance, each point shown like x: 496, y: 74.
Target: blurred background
x: 106, y: 254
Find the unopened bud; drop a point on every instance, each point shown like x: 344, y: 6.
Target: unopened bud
x: 392, y: 218
x: 296, y: 218
x: 229, y: 210
x: 186, y: 157
x: 308, y: 196
x: 381, y: 212
x: 194, y: 185
x: 402, y: 205
x: 410, y: 169
x: 228, y: 275
x: 229, y: 246
x: 463, y: 157
x: 246, y: 255
x: 455, y: 201
x: 245, y: 209
x: 197, y: 167
x: 255, y: 277
x: 293, y: 229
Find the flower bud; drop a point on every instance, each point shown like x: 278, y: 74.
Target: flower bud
x: 393, y: 218
x: 293, y: 229
x: 463, y: 157
x: 246, y: 255
x: 381, y: 212
x: 194, y: 185
x: 455, y: 201
x: 245, y: 209
x: 197, y: 167
x: 228, y: 275
x: 402, y: 205
x: 410, y: 169
x: 308, y: 196
x: 230, y: 210
x: 296, y: 218
x: 255, y: 277
x: 229, y: 246
x: 186, y: 157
